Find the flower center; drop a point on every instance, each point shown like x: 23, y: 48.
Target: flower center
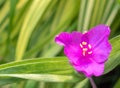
x: 86, y: 48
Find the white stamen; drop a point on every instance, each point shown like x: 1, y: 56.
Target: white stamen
x: 85, y: 49
x: 89, y: 46
x: 83, y: 53
x: 81, y: 45
x: 84, y: 43
x: 90, y: 52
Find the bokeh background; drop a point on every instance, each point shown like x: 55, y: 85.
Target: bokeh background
x: 27, y: 31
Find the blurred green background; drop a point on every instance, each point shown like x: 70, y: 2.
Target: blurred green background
x: 27, y: 31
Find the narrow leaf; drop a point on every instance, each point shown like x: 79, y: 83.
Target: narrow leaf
x: 114, y: 58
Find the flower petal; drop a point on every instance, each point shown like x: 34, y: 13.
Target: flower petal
x: 73, y: 53
x: 96, y: 42
x: 63, y: 38
x: 66, y: 38
x: 76, y: 37
x: 97, y: 34
x: 102, y: 51
x: 90, y: 69
x: 71, y: 43
x: 98, y: 38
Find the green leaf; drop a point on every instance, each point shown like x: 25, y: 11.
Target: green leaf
x: 31, y: 84
x: 6, y: 80
x: 112, y: 15
x: 34, y: 14
x: 58, y: 65
x: 115, y: 25
x: 107, y: 12
x: 43, y: 77
x: 47, y: 69
x: 89, y: 11
x: 63, y: 20
x: 95, y: 13
x: 118, y: 1
x: 81, y: 14
x: 83, y: 84
x: 114, y: 58
x: 117, y: 85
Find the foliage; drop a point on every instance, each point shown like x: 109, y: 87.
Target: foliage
x: 29, y: 56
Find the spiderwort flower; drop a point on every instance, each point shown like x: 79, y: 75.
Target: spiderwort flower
x: 87, y: 52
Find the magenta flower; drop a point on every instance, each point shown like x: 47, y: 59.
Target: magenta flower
x: 87, y: 52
